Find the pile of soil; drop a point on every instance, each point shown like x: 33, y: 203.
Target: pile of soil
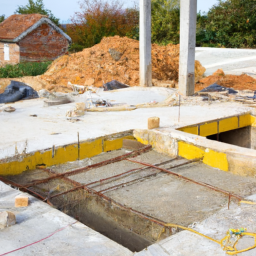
x: 115, y: 58
x: 242, y: 82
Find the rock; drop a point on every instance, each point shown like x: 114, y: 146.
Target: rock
x: 116, y: 55
x: 44, y: 93
x: 9, y: 109
x: 7, y: 219
x: 78, y: 111
x: 21, y: 201
x: 89, y: 82
x: 153, y: 122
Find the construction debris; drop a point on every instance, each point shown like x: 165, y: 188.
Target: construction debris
x: 7, y: 219
x: 17, y: 91
x: 242, y: 82
x: 78, y: 111
x: 21, y: 201
x: 9, y: 109
x: 114, y: 85
x: 218, y: 88
x: 153, y: 122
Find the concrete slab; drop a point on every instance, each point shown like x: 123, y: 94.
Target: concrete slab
x: 187, y: 243
x: 39, y: 220
x: 23, y: 132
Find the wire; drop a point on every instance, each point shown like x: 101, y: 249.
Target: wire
x: 38, y: 240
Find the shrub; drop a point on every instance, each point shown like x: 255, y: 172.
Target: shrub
x: 24, y: 69
x: 98, y: 19
x: 232, y: 23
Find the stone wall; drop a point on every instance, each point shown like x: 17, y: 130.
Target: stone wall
x: 14, y: 54
x: 43, y: 44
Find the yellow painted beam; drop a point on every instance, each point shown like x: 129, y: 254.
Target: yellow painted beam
x: 208, y: 129
x: 190, y: 129
x: 245, y: 120
x: 228, y: 124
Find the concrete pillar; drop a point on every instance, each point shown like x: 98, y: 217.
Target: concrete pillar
x: 145, y: 43
x: 188, y: 15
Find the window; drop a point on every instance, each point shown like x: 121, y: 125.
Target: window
x: 6, y: 52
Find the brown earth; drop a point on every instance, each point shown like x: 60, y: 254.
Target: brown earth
x: 116, y: 58
x: 242, y: 82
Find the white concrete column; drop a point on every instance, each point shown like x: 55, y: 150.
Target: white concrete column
x: 188, y: 15
x: 145, y: 43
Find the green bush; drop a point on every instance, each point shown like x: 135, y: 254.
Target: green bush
x: 232, y: 23
x: 24, y: 69
x: 165, y: 22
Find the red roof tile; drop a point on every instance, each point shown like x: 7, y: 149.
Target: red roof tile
x: 16, y: 24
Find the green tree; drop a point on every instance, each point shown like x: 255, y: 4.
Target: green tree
x: 2, y: 18
x: 165, y: 21
x: 232, y: 23
x: 37, y: 6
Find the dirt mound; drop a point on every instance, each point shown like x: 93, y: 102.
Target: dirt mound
x: 242, y: 82
x: 115, y: 58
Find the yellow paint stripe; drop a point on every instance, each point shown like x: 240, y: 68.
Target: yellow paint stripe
x: 61, y: 155
x: 253, y: 121
x: 208, y: 129
x: 245, y: 120
x: 189, y: 151
x: 228, y: 124
x: 190, y: 129
x: 216, y: 160
x: 114, y: 144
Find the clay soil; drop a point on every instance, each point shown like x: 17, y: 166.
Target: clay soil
x: 242, y: 82
x: 115, y: 58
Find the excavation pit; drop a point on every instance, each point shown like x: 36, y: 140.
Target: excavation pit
x: 130, y: 195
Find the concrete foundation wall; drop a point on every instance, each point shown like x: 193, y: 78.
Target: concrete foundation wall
x: 14, y: 54
x: 43, y: 44
x: 226, y: 157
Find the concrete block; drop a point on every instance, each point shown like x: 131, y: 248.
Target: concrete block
x: 153, y: 122
x: 7, y: 219
x: 21, y: 201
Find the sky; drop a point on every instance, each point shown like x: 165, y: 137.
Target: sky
x: 65, y: 9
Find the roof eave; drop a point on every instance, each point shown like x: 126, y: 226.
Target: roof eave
x: 35, y: 26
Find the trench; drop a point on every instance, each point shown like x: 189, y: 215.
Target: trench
x: 242, y: 137
x: 130, y: 197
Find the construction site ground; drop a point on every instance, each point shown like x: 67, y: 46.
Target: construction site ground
x: 32, y: 127
x: 39, y: 220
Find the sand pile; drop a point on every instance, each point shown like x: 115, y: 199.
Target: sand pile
x: 114, y: 58
x: 242, y: 82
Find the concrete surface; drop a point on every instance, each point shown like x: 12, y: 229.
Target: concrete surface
x: 39, y: 220
x: 145, y: 44
x: 21, y: 131
x: 188, y: 16
x: 232, y: 61
x: 186, y: 243
x: 176, y: 200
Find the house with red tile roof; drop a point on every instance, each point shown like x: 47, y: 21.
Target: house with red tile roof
x: 31, y: 38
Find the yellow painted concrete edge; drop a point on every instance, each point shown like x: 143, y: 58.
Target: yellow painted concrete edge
x: 62, y: 154
x: 188, y: 151
x: 225, y: 124
x: 209, y: 157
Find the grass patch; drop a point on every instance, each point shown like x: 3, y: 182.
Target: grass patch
x: 24, y: 69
